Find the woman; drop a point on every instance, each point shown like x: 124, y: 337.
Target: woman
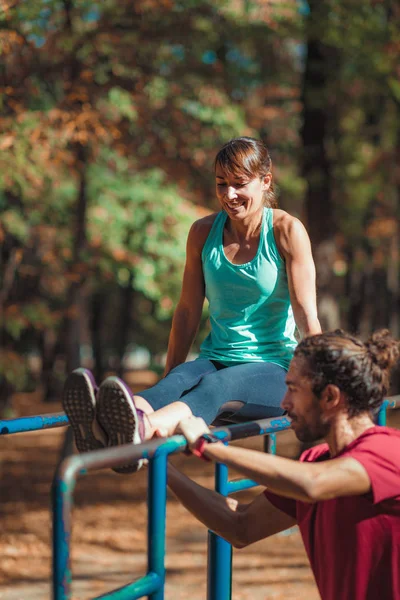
x: 254, y: 265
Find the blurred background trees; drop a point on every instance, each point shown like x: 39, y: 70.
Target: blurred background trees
x: 111, y: 114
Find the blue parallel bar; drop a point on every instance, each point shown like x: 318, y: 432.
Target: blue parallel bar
x: 272, y: 443
x: 152, y: 584
x: 138, y: 589
x: 239, y: 485
x: 70, y: 468
x: 219, y: 570
x: 391, y: 402
x: 157, y: 506
x: 48, y: 421
x: 157, y: 451
x: 33, y: 423
x: 219, y: 564
x: 381, y: 420
x: 62, y: 491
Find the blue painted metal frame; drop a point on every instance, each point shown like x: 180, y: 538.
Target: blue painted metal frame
x: 219, y: 571
x: 157, y: 452
x: 34, y: 423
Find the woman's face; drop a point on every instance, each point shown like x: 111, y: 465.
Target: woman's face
x: 240, y: 196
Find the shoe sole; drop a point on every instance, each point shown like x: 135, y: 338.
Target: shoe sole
x: 117, y: 415
x: 79, y: 403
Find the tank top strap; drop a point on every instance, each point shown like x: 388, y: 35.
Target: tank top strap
x: 270, y: 245
x: 215, y: 236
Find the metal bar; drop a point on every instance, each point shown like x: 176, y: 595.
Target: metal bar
x: 240, y: 485
x: 381, y: 419
x: 65, y: 479
x: 219, y: 564
x: 391, y: 402
x: 157, y: 506
x: 219, y: 569
x: 145, y: 586
x: 64, y: 482
x: 33, y: 423
x: 252, y: 428
x: 62, y: 499
x: 60, y: 419
x: 63, y: 486
x: 272, y: 443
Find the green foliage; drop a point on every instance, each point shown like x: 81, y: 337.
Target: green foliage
x: 141, y: 222
x: 129, y: 103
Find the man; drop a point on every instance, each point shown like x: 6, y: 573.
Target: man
x: 344, y: 494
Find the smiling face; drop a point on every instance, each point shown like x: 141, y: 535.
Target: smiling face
x: 303, y: 407
x: 239, y: 195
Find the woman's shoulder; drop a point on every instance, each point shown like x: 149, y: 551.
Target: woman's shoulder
x: 201, y: 228
x: 286, y: 224
x: 289, y: 231
x: 282, y: 219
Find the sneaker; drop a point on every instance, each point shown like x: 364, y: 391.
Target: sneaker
x: 122, y: 421
x: 79, y: 403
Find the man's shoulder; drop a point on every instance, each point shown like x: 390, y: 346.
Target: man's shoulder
x: 317, y: 453
x: 375, y: 436
x: 378, y: 450
x: 372, y: 437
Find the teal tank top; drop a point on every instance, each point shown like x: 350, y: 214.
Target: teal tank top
x: 250, y: 312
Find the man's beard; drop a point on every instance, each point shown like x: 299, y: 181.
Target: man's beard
x: 312, y: 433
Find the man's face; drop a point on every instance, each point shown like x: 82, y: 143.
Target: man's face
x: 302, y: 406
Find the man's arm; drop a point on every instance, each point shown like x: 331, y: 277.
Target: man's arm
x: 294, y: 245
x: 305, y: 481
x: 239, y: 524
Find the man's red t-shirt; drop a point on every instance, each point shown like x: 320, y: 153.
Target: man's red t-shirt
x: 353, y: 542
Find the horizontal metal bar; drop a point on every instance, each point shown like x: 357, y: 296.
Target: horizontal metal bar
x: 252, y: 428
x: 138, y: 589
x: 34, y: 423
x: 120, y: 455
x: 60, y: 419
x: 393, y: 401
x: 238, y: 485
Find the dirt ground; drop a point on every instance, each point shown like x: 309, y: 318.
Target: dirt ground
x: 109, y: 528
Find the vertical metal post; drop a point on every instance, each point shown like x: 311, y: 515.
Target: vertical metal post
x: 157, y: 504
x: 219, y: 565
x: 272, y: 443
x: 62, y: 491
x: 381, y: 419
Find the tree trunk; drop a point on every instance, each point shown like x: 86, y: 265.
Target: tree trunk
x: 318, y: 112
x: 96, y: 319
x: 125, y: 322
x: 74, y: 305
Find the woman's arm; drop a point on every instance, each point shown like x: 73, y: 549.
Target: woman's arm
x: 239, y: 524
x: 294, y: 245
x: 186, y: 319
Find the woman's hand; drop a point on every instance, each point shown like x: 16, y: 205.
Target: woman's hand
x: 192, y: 428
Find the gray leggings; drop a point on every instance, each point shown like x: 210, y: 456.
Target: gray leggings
x: 205, y: 386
